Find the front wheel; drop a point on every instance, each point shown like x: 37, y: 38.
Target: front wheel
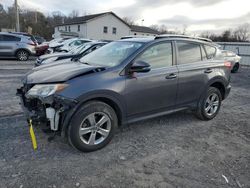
x: 209, y: 104
x: 22, y: 55
x: 92, y: 127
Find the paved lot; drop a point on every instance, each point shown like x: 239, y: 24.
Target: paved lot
x: 172, y: 151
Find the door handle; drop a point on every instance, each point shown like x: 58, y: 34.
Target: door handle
x: 208, y: 71
x: 171, y: 76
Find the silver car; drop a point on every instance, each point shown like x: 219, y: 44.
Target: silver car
x: 16, y: 45
x: 233, y: 58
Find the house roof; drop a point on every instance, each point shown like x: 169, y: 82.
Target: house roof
x: 143, y: 29
x: 84, y: 19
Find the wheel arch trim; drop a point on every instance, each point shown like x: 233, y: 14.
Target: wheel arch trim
x: 117, y: 105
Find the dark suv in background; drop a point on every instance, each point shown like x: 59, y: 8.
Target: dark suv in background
x: 126, y: 81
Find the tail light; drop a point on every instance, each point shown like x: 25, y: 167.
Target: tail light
x: 32, y: 43
x: 228, y: 64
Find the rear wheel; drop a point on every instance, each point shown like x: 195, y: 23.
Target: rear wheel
x: 22, y: 55
x: 236, y: 68
x: 209, y: 104
x: 92, y: 127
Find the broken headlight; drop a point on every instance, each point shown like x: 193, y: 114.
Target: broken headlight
x: 45, y: 90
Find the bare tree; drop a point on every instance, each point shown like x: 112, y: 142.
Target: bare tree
x: 184, y: 29
x: 242, y: 33
x: 74, y: 13
x: 128, y: 20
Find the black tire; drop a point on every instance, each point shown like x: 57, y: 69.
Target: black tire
x: 22, y: 55
x: 80, y: 118
x: 235, y: 68
x: 201, y: 112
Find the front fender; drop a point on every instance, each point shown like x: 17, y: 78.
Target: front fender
x: 81, y: 100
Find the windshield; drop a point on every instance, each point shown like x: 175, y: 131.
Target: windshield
x: 80, y: 49
x: 111, y: 54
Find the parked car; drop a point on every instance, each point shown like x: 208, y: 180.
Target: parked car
x: 126, y: 81
x: 39, y: 39
x: 74, y: 54
x: 55, y: 43
x: 68, y: 45
x: 42, y: 49
x: 233, y: 58
x: 16, y: 45
x: 26, y: 34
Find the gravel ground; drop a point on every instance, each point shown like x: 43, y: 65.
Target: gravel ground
x: 171, y: 151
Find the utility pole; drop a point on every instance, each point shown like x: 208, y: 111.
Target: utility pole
x: 142, y: 22
x: 17, y: 17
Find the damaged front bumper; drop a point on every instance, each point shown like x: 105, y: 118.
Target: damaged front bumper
x: 51, y: 110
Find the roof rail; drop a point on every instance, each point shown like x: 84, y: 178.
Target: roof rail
x: 136, y: 36
x: 182, y: 36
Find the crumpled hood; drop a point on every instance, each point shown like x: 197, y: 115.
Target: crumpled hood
x: 57, y: 72
x: 46, y: 56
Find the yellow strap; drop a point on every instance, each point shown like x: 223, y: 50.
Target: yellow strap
x: 32, y: 135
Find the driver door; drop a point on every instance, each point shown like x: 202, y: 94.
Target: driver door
x: 155, y: 90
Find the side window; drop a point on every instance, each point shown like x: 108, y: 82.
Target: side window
x: 188, y: 52
x: 9, y: 38
x: 158, y: 56
x: 211, y: 51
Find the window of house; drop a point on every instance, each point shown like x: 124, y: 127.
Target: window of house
x: 105, y: 29
x: 65, y: 28
x: 79, y: 28
x: 158, y: 56
x: 114, y: 30
x: 188, y: 52
x: 211, y: 51
x: 69, y: 28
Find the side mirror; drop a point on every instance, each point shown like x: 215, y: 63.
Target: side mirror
x: 139, y: 66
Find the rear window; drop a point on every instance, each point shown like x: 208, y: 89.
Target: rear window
x: 188, y: 52
x: 9, y: 38
x: 211, y: 51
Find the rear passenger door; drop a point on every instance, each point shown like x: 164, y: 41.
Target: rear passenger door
x: 9, y: 44
x: 194, y: 71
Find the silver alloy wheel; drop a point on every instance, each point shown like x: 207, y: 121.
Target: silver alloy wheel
x: 212, y: 104
x: 95, y: 128
x: 22, y: 55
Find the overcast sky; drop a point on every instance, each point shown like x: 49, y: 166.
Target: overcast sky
x: 197, y: 15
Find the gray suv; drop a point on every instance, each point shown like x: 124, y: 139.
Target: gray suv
x: 16, y: 45
x: 123, y: 82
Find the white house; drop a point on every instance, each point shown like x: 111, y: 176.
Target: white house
x: 103, y: 26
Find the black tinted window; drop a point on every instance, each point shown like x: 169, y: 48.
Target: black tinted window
x: 211, y: 51
x: 188, y: 52
x: 10, y: 38
x: 158, y: 56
